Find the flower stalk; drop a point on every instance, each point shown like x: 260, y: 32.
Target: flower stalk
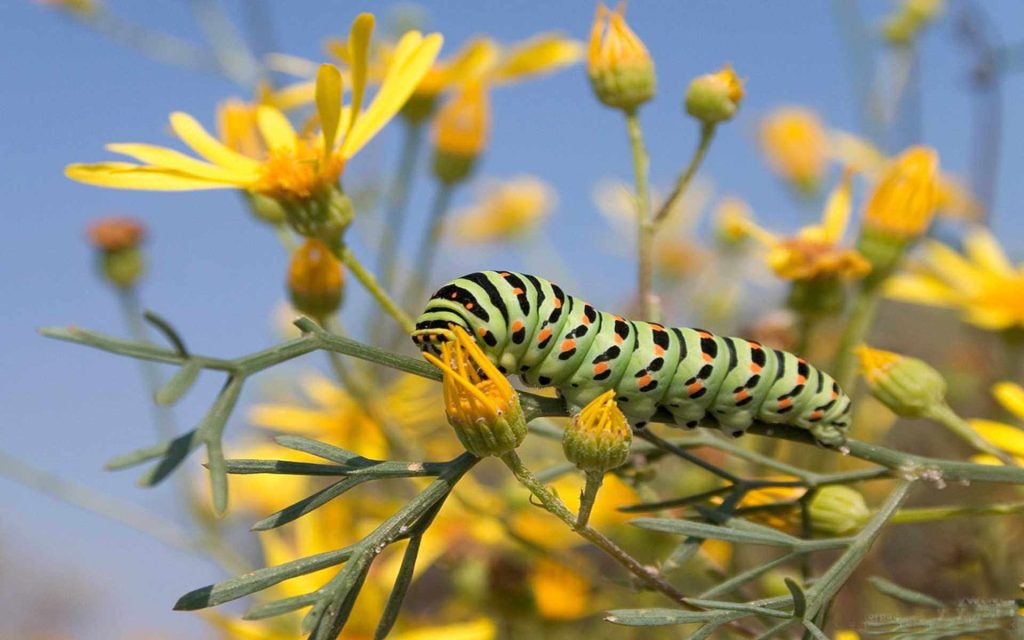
x: 645, y: 225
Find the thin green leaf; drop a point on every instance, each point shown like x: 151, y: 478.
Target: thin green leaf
x: 309, y: 504
x: 904, y: 594
x: 217, y: 471
x: 341, y: 593
x: 188, y: 441
x: 402, y: 582
x: 318, y: 449
x: 657, y: 617
x: 674, y: 502
x: 745, y: 607
x: 799, y: 599
x: 240, y: 586
x: 179, y: 384
x: 168, y: 331
x: 282, y: 606
x: 175, y: 456
x: 815, y: 631
x: 701, y: 530
x: 247, y: 466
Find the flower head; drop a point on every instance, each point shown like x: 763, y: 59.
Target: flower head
x: 908, y: 386
x: 904, y: 200
x: 481, y: 404
x: 620, y: 68
x: 461, y: 131
x: 981, y: 282
x: 796, y: 145
x: 1006, y: 437
x: 315, y: 279
x: 290, y: 166
x: 714, y: 97
x: 598, y: 438
x: 120, y: 261
x: 506, y: 210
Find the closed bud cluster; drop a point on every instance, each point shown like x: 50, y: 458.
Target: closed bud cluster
x: 900, y: 209
x: 908, y: 386
x: 481, y: 405
x: 837, y: 510
x: 598, y: 438
x: 315, y: 279
x: 461, y: 131
x: 118, y: 240
x: 714, y: 97
x: 324, y: 215
x: 620, y: 69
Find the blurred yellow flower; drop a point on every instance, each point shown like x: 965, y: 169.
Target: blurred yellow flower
x: 505, y: 210
x: 981, y: 282
x: 796, y: 145
x: 409, y: 405
x: 559, y: 591
x: 905, y: 197
x: 1008, y: 438
x: 83, y: 8
x: 620, y: 68
x: 463, y: 124
x: 814, y: 252
x: 295, y: 166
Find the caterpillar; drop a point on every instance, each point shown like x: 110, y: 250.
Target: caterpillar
x: 527, y: 326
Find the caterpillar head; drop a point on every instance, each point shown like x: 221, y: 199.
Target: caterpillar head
x: 432, y: 330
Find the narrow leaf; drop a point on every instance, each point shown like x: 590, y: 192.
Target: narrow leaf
x: 168, y: 331
x: 308, y: 504
x: 701, y: 530
x: 658, y: 617
x: 799, y: 599
x: 279, y: 607
x: 402, y: 582
x: 240, y: 586
x: 723, y: 605
x: 245, y: 466
x: 318, y: 449
x: 137, y: 457
x: 179, y: 384
x: 904, y: 594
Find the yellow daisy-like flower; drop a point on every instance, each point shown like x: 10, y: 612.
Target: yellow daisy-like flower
x: 294, y: 166
x: 981, y: 282
x: 506, y: 210
x: 796, y: 144
x: 814, y: 252
x: 1006, y: 437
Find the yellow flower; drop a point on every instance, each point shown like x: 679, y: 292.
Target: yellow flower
x: 814, y: 252
x: 598, y: 438
x: 904, y: 200
x: 294, y: 167
x: 796, y: 145
x: 507, y: 209
x: 1005, y: 437
x: 620, y: 68
x: 907, y: 386
x: 559, y: 591
x: 463, y: 125
x: 408, y: 404
x: 480, y: 402
x: 238, y: 128
x: 981, y: 282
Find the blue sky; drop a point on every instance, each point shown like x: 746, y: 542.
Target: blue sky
x: 217, y: 276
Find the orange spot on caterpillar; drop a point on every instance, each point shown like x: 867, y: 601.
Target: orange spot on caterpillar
x: 455, y: 295
x: 694, y: 388
x: 557, y: 303
x: 482, y: 331
x: 517, y: 325
x: 618, y: 339
x: 543, y: 335
x: 801, y: 379
x: 814, y: 415
x: 517, y: 291
x: 469, y: 306
x: 704, y: 334
x: 658, y: 351
x: 568, y: 344
x: 755, y: 368
x: 600, y: 367
x: 785, y: 402
x: 707, y: 357
x: 742, y: 395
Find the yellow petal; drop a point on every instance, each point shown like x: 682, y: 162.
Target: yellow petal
x: 161, y: 158
x: 837, y: 209
x: 1011, y: 396
x: 124, y: 175
x: 920, y: 289
x: 328, y: 103
x: 469, y: 63
x: 195, y: 136
x: 293, y: 96
x: 544, y: 53
x: 479, y: 629
x: 951, y: 266
x: 413, y: 57
x: 292, y: 419
x: 983, y: 249
x: 275, y: 128
x: 359, y: 51
x: 1006, y: 437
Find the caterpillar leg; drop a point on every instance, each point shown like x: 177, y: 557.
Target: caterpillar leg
x: 828, y: 435
x: 734, y: 424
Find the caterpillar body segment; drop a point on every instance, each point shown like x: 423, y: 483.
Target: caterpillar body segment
x: 529, y: 327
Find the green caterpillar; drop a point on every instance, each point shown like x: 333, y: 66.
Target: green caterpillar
x: 528, y: 327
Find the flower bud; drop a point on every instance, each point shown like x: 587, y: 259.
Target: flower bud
x: 265, y: 208
x: 620, y: 69
x: 117, y: 240
x: 480, y: 403
x: 837, y: 510
x: 324, y: 215
x: 460, y: 133
x: 908, y: 386
x: 315, y: 279
x: 598, y: 438
x: 714, y: 97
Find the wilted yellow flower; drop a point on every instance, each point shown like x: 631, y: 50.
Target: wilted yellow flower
x: 409, y: 405
x: 1006, y: 437
x: 461, y: 131
x: 295, y: 167
x: 480, y: 402
x: 796, y: 145
x: 904, y: 200
x: 714, y: 97
x: 814, y: 252
x: 620, y: 68
x: 981, y: 283
x: 505, y: 210
x: 315, y: 279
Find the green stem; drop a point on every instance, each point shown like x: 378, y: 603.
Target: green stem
x: 707, y: 134
x: 398, y: 200
x: 427, y: 251
x: 285, y: 237
x: 645, y: 226
x: 935, y: 514
x: 944, y: 415
x: 131, y: 309
x: 588, y: 496
x: 366, y: 278
x: 857, y: 327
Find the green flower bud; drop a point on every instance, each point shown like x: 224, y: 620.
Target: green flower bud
x: 265, y: 208
x: 908, y: 386
x: 119, y: 257
x: 598, y: 438
x: 315, y: 279
x: 620, y: 69
x: 838, y: 510
x: 714, y: 97
x: 324, y: 215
